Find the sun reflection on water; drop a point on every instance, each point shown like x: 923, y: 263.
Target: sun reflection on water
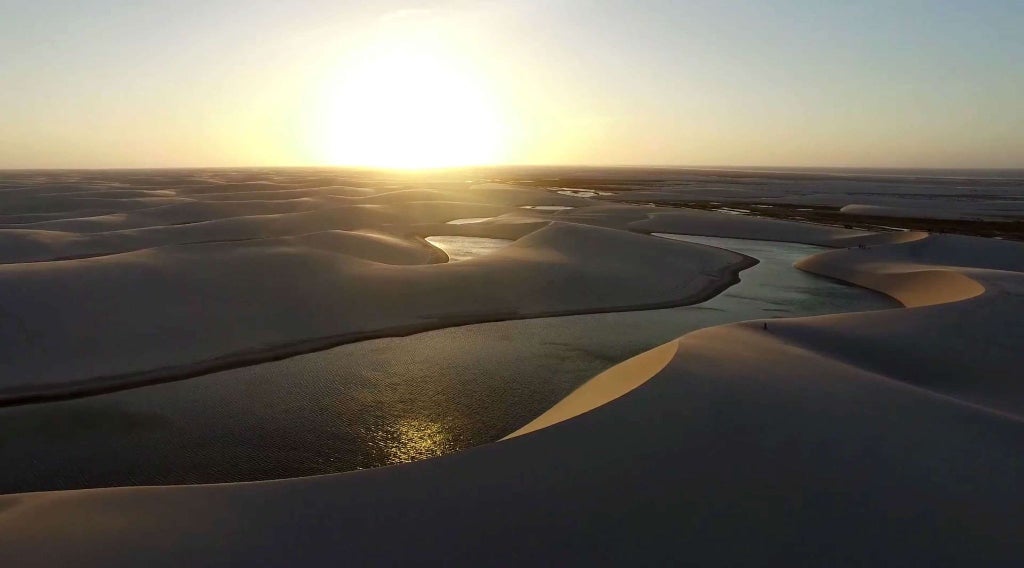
x: 415, y: 439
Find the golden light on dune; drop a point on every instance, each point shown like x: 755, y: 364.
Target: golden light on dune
x: 408, y: 108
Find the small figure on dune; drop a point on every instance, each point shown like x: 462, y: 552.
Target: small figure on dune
x: 764, y: 325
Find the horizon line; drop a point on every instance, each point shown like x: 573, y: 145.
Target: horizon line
x: 719, y: 167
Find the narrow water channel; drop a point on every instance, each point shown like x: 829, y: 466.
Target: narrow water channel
x: 376, y: 402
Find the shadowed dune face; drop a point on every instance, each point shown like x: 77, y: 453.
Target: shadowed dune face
x: 177, y: 214
x: 960, y: 337
x: 922, y: 271
x: 717, y: 225
x: 954, y: 282
x: 202, y: 262
x: 230, y: 266
x: 24, y: 245
x: 883, y: 434
x: 882, y: 437
x: 957, y: 343
x: 221, y: 299
x: 371, y: 403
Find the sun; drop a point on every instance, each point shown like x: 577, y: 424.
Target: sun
x: 408, y: 109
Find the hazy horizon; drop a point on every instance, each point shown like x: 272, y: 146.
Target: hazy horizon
x: 222, y: 83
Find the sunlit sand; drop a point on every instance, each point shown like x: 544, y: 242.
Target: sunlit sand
x: 462, y: 248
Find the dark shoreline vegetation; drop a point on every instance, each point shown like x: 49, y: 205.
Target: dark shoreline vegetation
x: 623, y: 175
x: 655, y: 179
x: 825, y: 215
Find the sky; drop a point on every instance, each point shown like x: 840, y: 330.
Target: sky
x: 141, y: 83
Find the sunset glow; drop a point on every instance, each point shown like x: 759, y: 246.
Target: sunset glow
x: 407, y: 109
x: 414, y: 85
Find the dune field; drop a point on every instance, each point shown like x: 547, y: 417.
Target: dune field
x: 889, y: 436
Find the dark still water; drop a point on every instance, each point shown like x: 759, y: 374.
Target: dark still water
x: 376, y: 402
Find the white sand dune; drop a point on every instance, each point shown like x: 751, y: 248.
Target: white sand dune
x: 888, y: 437
x: 604, y: 388
x: 797, y: 446
x: 68, y: 205
x: 25, y: 245
x: 444, y: 211
x: 176, y: 214
x: 297, y: 297
x: 198, y: 222
x: 220, y: 187
x: 177, y: 266
x: 924, y: 271
x: 710, y: 224
x: 15, y: 220
x: 283, y: 194
x: 508, y: 226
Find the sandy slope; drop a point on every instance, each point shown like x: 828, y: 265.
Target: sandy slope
x: 604, y: 388
x: 148, y: 276
x: 706, y: 223
x: 887, y: 438
x: 231, y: 302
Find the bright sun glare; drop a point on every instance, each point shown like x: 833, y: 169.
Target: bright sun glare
x: 408, y: 109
